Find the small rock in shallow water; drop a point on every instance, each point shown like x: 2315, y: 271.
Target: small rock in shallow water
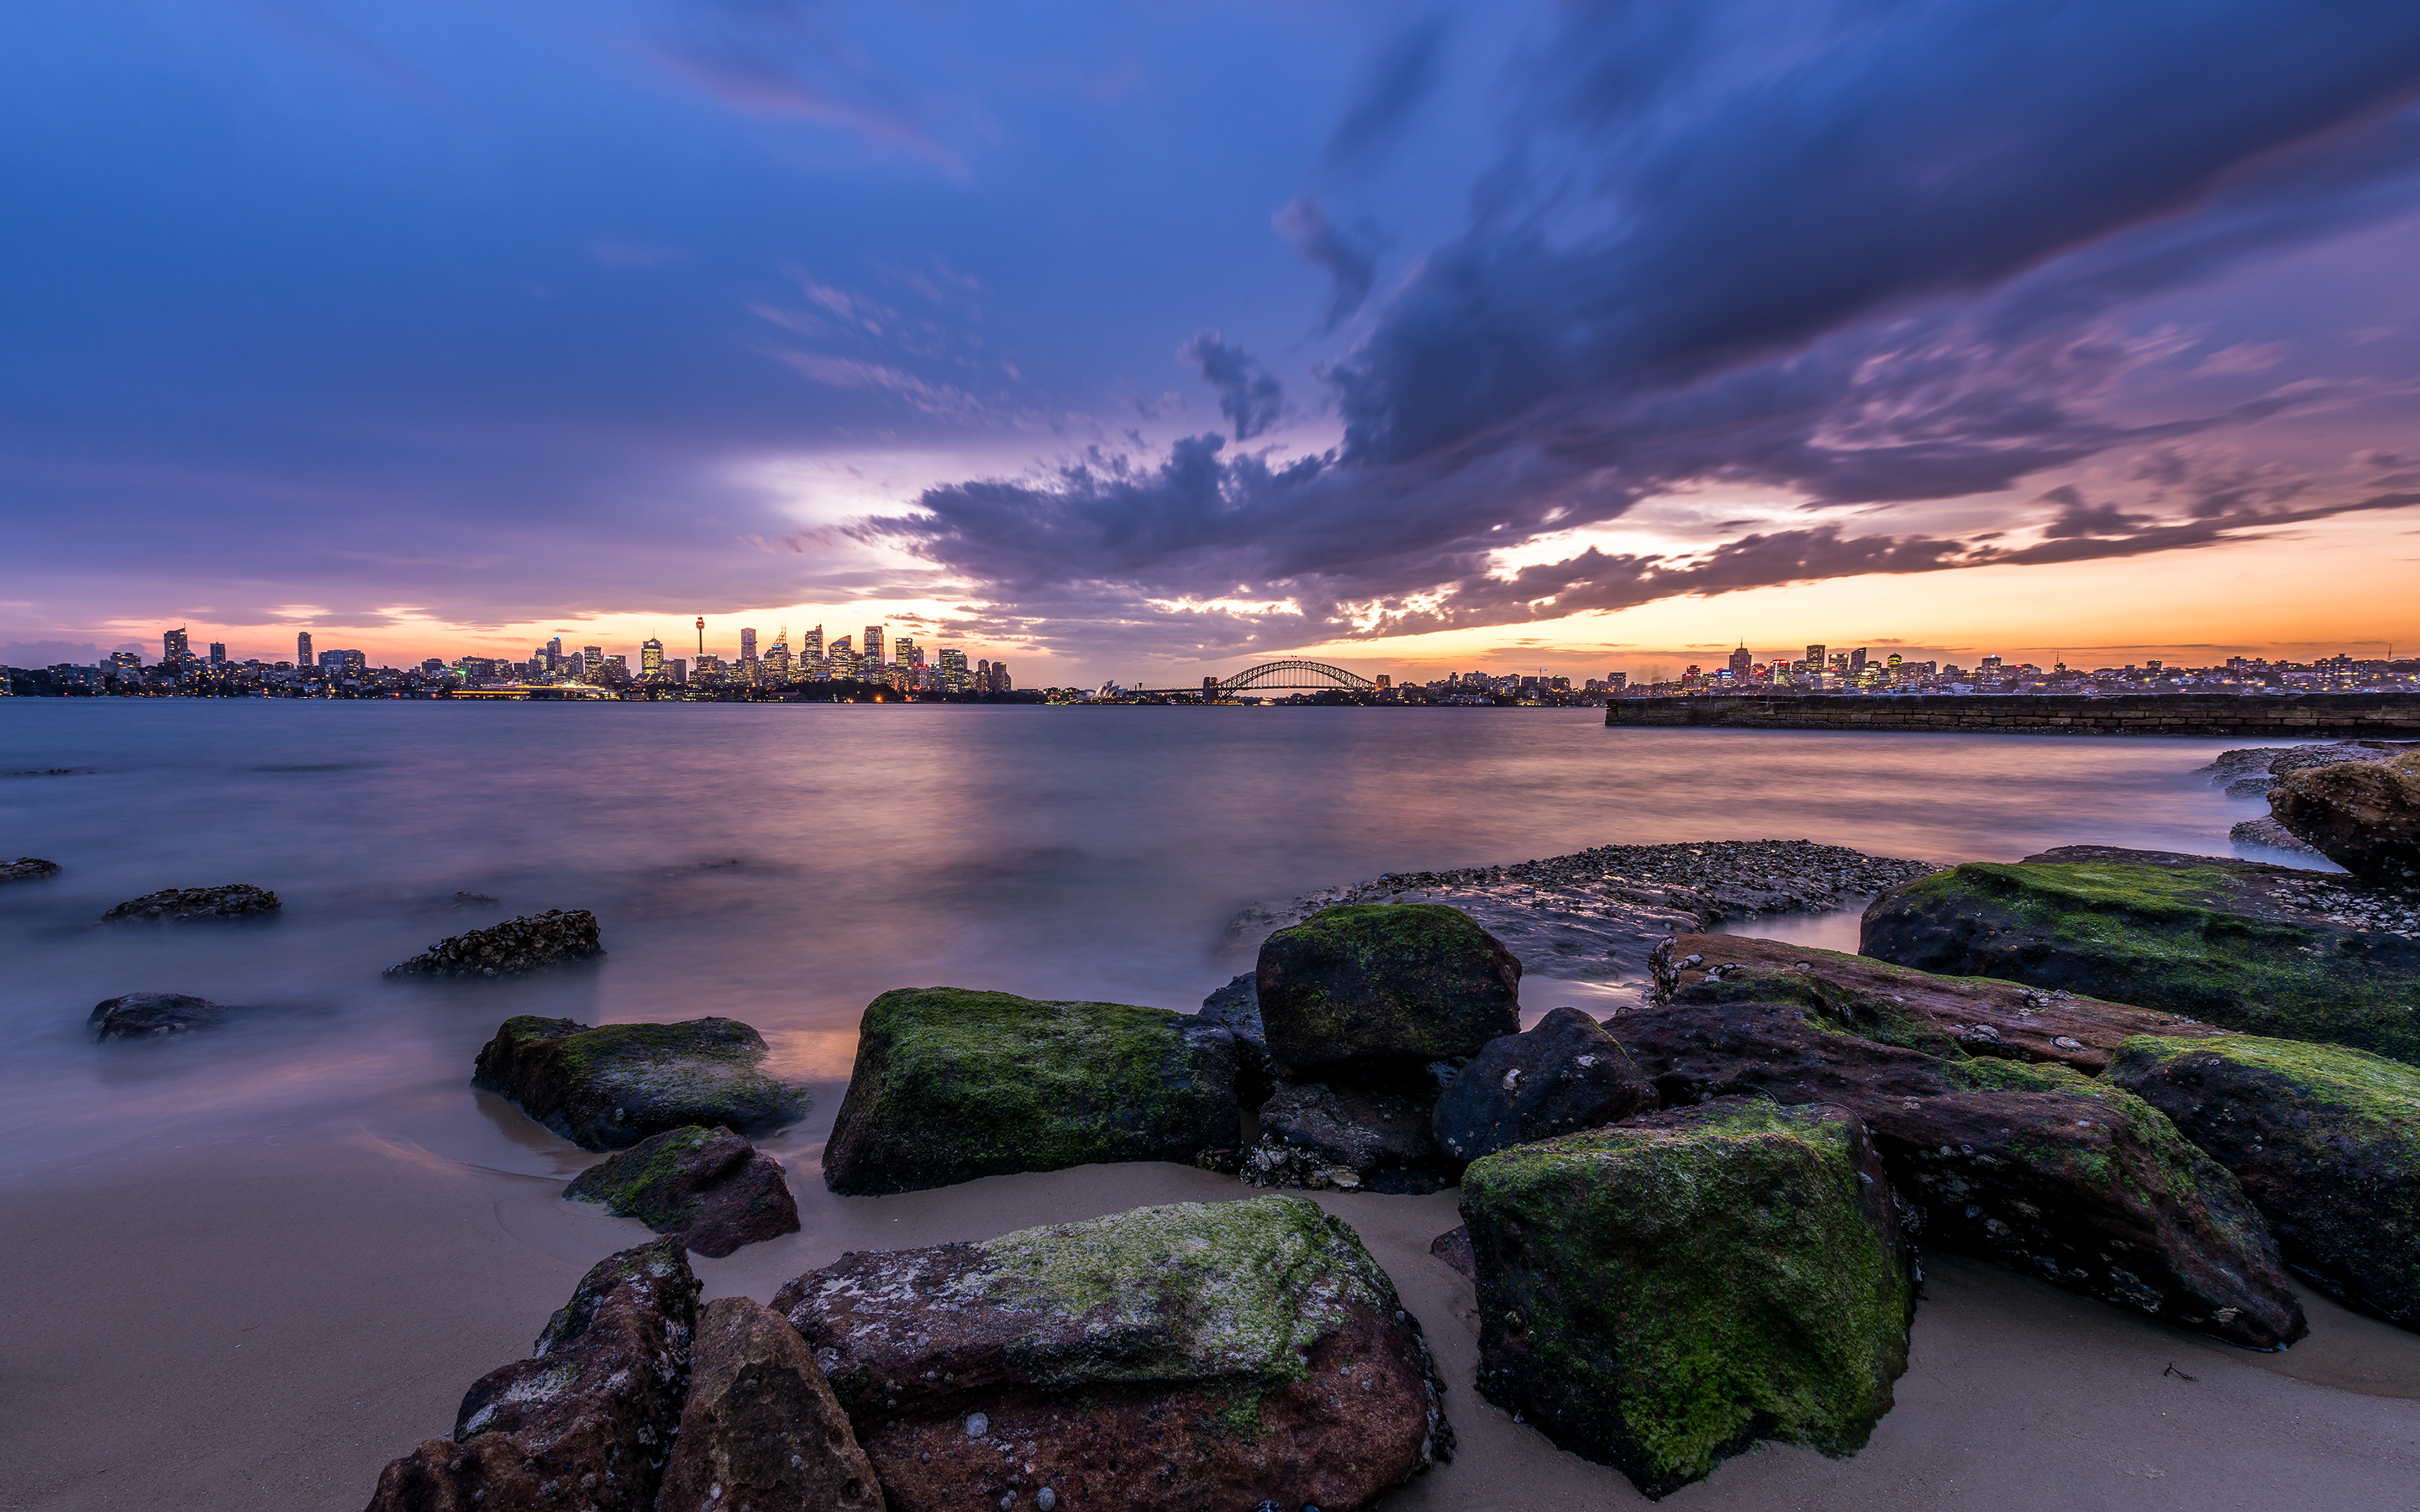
x: 27, y: 869
x: 709, y: 1187
x: 153, y: 1016
x: 529, y: 943
x: 235, y: 900
x: 610, y: 1086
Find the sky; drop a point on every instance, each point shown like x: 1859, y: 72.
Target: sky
x: 1144, y: 341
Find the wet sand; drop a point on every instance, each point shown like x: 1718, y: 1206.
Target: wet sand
x: 262, y: 1318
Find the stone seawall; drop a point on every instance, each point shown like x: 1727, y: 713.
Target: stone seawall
x: 2300, y: 716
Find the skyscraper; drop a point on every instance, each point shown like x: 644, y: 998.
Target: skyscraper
x: 747, y: 645
x: 953, y: 670
x: 1857, y: 660
x: 1741, y: 660
x: 811, y: 645
x: 173, y: 648
x: 1814, y: 659
x: 873, y: 653
x: 842, y: 658
x: 218, y: 653
x: 905, y: 653
x: 302, y: 650
x: 651, y: 660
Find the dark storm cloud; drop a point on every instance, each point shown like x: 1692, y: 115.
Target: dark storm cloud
x: 1249, y: 397
x: 1352, y: 265
x: 1397, y: 77
x: 1867, y: 252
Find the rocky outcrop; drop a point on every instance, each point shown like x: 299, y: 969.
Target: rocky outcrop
x: 2266, y: 834
x: 27, y: 869
x: 1660, y: 1294
x: 1565, y: 1074
x: 1895, y: 1005
x: 2364, y: 816
x: 2051, y: 1174
x: 608, y: 1088
x: 951, y: 1085
x: 708, y: 1188
x: 2325, y: 1141
x: 1235, y: 1006
x: 1391, y: 982
x: 762, y: 1431
x: 529, y: 943
x: 1356, y: 1132
x: 583, y: 1424
x: 237, y: 899
x: 2251, y: 772
x: 152, y: 1016
x: 1594, y: 914
x: 1167, y: 1359
x: 2235, y: 943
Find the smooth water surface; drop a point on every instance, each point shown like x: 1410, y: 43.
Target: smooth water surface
x: 783, y: 864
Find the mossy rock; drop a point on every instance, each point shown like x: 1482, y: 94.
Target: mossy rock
x: 610, y: 1086
x: 1408, y: 981
x: 2325, y: 1141
x: 1661, y: 1294
x: 952, y: 1084
x: 2189, y: 934
x: 709, y: 1186
x: 1194, y: 1355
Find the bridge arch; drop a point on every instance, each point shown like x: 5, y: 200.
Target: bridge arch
x: 1291, y: 674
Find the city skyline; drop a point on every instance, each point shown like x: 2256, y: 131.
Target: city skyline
x: 1522, y: 332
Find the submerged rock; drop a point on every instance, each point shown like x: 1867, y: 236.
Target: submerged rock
x: 762, y: 1431
x: 951, y: 1085
x: 1403, y: 981
x: 27, y: 869
x: 1353, y: 1134
x: 582, y: 1425
x: 152, y: 1015
x: 2043, y: 1170
x: 608, y: 1088
x: 1659, y: 1295
x: 1162, y: 1360
x: 529, y: 943
x: 1563, y: 1076
x: 1896, y: 1005
x: 2226, y: 941
x: 709, y: 1188
x: 2326, y: 1142
x: 2362, y: 816
x: 237, y: 899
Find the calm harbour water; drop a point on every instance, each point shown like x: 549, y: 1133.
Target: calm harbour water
x: 783, y: 864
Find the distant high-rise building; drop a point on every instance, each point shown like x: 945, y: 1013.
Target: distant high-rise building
x: 302, y: 650
x: 811, y: 645
x: 905, y: 653
x: 777, y: 662
x: 873, y: 651
x: 1617, y: 680
x: 343, y: 661
x: 1741, y: 660
x: 1857, y: 660
x: 841, y: 658
x: 651, y: 660
x: 1385, y: 681
x: 553, y: 654
x: 748, y: 644
x: 218, y: 653
x: 999, y: 683
x: 174, y: 649
x: 596, y: 656
x: 680, y: 668
x: 1814, y: 659
x: 577, y: 665
x: 953, y: 670
x: 1893, y: 662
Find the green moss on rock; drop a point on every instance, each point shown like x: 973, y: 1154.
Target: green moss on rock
x: 1418, y: 981
x: 2191, y: 936
x: 952, y: 1084
x: 1660, y: 1294
x: 610, y: 1086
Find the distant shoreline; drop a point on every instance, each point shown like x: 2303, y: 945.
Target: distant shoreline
x: 2295, y: 716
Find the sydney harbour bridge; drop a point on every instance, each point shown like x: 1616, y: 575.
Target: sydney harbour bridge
x: 1273, y: 677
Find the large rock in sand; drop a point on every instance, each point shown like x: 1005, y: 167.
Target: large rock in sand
x: 1660, y: 1294
x: 583, y: 1424
x: 1563, y: 1076
x: 529, y: 943
x: 951, y: 1085
x: 2222, y: 940
x: 237, y: 899
x: 2325, y: 1140
x: 762, y: 1431
x: 1205, y: 1355
x: 2364, y: 816
x: 152, y: 1016
x: 1393, y: 982
x: 2051, y: 1174
x: 708, y: 1188
x: 608, y: 1088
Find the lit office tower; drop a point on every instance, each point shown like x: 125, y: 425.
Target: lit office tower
x: 844, y: 658
x: 174, y: 649
x: 953, y: 669
x: 553, y: 654
x: 651, y: 660
x: 302, y: 650
x: 747, y: 645
x: 873, y: 648
x: 1857, y: 659
x: 905, y: 653
x: 1814, y: 659
x: 811, y: 645
x: 777, y: 658
x: 1741, y: 660
x: 218, y: 653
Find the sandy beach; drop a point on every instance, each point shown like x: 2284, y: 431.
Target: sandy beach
x: 230, y: 1316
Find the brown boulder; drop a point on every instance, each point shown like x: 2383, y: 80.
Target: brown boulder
x: 762, y: 1431
x: 2364, y: 816
x: 1902, y: 1005
x: 583, y: 1424
x: 2052, y: 1175
x: 712, y: 1189
x: 1201, y: 1355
